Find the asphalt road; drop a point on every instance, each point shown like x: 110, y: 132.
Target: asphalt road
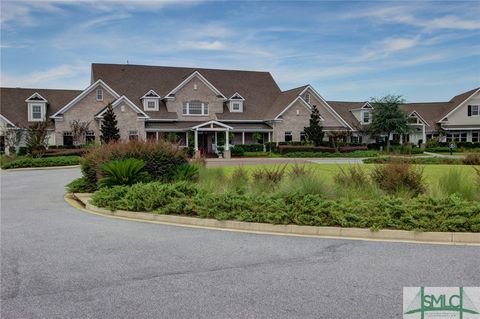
x: 58, y: 262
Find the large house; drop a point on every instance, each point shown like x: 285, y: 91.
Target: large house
x: 151, y: 102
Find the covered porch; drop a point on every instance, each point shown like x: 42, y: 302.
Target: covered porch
x: 209, y: 138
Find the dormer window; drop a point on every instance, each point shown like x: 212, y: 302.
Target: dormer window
x: 37, y: 108
x: 235, y: 103
x: 99, y: 95
x: 151, y: 101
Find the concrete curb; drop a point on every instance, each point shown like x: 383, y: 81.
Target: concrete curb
x: 448, y: 238
x: 38, y: 168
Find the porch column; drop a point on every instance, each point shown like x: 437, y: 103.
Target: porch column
x: 401, y: 139
x: 269, y: 137
x: 216, y: 139
x: 186, y: 138
x: 243, y: 137
x: 227, y: 142
x: 156, y: 136
x: 424, y: 136
x: 196, y: 140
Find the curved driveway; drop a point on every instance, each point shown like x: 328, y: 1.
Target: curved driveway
x: 58, y: 262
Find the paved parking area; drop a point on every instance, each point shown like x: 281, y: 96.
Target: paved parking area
x: 58, y: 262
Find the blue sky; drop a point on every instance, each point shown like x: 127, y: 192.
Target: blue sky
x: 426, y: 51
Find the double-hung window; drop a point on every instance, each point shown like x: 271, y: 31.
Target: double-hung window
x: 195, y: 108
x: 365, y: 116
x: 475, y: 110
x: 99, y: 95
x: 133, y: 135
x: 36, y: 112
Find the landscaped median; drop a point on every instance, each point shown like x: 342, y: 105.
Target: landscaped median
x: 458, y: 238
x: 158, y: 182
x: 30, y: 162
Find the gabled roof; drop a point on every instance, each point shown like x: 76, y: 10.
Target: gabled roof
x: 236, y: 97
x: 282, y: 101
x: 84, y: 93
x: 36, y: 97
x: 150, y: 94
x: 129, y: 103
x: 302, y: 102
x: 14, y: 108
x: 458, y: 101
x: 344, y: 109
x: 258, y: 88
x: 199, y: 76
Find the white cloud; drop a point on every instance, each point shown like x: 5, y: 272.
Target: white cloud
x: 409, y: 15
x: 387, y: 47
x: 74, y: 76
x: 202, y: 45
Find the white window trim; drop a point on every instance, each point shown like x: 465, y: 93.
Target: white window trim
x: 369, y: 116
x: 478, y: 110
x: 99, y: 90
x: 42, y: 111
x: 148, y: 108
x: 240, y: 106
x: 188, y: 109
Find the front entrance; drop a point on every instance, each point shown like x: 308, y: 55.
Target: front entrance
x: 205, y: 143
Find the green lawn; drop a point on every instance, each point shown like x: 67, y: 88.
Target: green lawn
x: 432, y: 172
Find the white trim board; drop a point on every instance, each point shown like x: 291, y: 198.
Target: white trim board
x: 123, y: 98
x: 145, y: 96
x: 87, y: 91
x: 419, y: 116
x: 302, y: 101
x: 458, y: 106
x: 201, y: 78
x: 334, y: 113
x: 241, y: 98
x: 212, y: 122
x: 36, y: 95
x: 7, y: 120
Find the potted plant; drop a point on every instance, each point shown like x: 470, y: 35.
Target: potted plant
x: 220, y: 150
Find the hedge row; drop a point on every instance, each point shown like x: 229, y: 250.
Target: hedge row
x: 420, y: 213
x: 43, y: 162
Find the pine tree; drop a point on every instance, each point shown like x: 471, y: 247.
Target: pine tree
x: 109, y: 127
x: 314, y: 132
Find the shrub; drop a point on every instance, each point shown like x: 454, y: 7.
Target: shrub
x: 161, y: 158
x: 399, y: 177
x: 441, y: 149
x: 352, y: 176
x: 80, y: 185
x: 284, y: 149
x: 249, y: 147
x: 271, y: 147
x: 298, y: 170
x: 123, y: 172
x: 269, y: 175
x: 42, y: 162
x: 370, y: 153
x: 345, y: 149
x: 416, y: 160
x: 239, y: 180
x: 421, y: 213
x: 237, y: 150
x: 186, y: 172
x: 22, y: 151
x: 472, y: 159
